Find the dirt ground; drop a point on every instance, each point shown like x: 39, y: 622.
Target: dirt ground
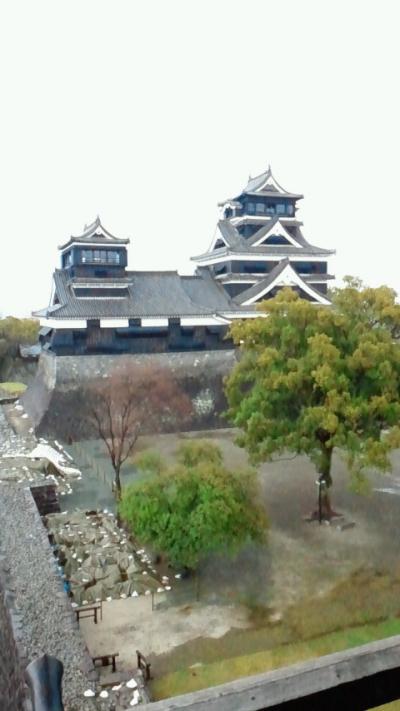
x: 128, y: 625
x: 300, y: 559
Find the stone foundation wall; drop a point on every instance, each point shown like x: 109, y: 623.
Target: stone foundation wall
x: 13, y: 692
x: 59, y: 398
x: 18, y: 370
x: 45, y: 622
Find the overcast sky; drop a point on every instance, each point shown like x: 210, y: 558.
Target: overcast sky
x: 149, y: 113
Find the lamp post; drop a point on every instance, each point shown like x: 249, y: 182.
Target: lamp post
x: 320, y: 483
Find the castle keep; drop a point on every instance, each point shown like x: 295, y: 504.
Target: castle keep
x: 99, y: 306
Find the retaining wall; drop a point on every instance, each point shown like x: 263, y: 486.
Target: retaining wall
x: 58, y: 400
x: 13, y: 692
x: 45, y: 622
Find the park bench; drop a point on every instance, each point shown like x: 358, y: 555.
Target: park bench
x: 90, y: 610
x: 106, y: 660
x: 143, y: 665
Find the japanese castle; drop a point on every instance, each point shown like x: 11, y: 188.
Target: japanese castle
x: 99, y: 306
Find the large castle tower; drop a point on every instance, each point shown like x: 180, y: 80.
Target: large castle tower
x: 259, y: 247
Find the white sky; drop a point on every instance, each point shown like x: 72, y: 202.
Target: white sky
x: 150, y: 112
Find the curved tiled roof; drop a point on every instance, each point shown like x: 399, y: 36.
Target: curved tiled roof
x: 150, y: 294
x: 237, y: 244
x: 273, y: 277
x: 95, y: 233
x: 266, y: 250
x: 266, y: 184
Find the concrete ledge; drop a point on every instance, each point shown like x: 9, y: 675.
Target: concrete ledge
x: 353, y: 680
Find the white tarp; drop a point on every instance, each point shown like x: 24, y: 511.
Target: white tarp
x: 45, y: 451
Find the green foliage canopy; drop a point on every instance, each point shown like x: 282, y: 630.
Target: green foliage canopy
x: 188, y: 512
x: 15, y: 332
x: 195, y: 452
x: 313, y: 378
x: 149, y: 463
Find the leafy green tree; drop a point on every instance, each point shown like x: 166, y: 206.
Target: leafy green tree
x: 195, y: 452
x: 150, y: 463
x: 373, y: 307
x: 188, y: 512
x: 313, y: 378
x: 18, y: 331
x: 13, y: 333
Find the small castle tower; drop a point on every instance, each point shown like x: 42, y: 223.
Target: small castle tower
x: 94, y: 253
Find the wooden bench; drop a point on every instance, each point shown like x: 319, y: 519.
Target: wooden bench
x: 90, y: 610
x: 106, y: 660
x: 143, y: 665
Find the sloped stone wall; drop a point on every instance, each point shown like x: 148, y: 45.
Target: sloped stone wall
x: 59, y: 398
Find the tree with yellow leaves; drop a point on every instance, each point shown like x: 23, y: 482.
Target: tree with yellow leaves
x: 313, y: 378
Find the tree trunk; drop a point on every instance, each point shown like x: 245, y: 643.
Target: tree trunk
x: 324, y: 510
x: 117, y: 492
x: 117, y: 483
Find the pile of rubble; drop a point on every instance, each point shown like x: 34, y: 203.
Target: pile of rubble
x: 97, y: 561
x: 23, y: 460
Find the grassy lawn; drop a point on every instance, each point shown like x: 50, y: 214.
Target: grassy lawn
x: 360, y: 608
x: 201, y: 676
x: 12, y: 388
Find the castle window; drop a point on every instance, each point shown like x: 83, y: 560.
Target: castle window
x: 251, y: 207
x: 313, y: 267
x: 220, y: 269
x: 260, y: 207
x: 280, y: 208
x: 67, y: 259
x: 88, y: 256
x: 100, y: 292
x: 113, y: 257
x: 100, y: 256
x: 254, y: 267
x: 305, y: 267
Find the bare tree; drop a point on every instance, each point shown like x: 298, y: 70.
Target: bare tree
x: 132, y: 400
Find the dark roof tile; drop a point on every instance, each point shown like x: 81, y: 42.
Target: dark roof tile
x: 151, y: 294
